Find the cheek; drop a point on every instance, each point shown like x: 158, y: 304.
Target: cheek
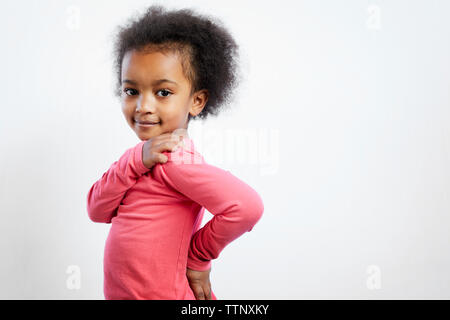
x: 127, y: 105
x: 172, y: 116
x: 167, y: 111
x: 127, y: 110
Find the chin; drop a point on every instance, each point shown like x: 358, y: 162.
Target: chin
x: 146, y: 133
x: 145, y: 136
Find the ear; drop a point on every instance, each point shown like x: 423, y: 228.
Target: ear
x: 199, y: 101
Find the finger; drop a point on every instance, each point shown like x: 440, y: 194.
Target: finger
x: 163, y: 138
x: 166, y: 145
x: 207, y: 292
x: 156, y: 141
x: 172, y: 137
x: 170, y: 145
x: 199, y: 294
x: 162, y: 158
x: 175, y: 136
x: 179, y: 133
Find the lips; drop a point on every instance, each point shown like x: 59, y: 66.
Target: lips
x: 146, y: 122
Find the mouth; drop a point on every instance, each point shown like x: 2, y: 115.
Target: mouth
x: 146, y: 124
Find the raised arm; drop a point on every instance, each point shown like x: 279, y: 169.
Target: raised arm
x: 235, y: 205
x: 105, y: 195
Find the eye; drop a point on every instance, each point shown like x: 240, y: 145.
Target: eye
x: 166, y: 91
x: 129, y: 91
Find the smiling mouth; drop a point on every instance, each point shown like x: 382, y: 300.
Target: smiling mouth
x: 146, y: 124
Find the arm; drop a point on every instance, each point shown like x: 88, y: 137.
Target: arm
x: 105, y: 195
x: 235, y: 205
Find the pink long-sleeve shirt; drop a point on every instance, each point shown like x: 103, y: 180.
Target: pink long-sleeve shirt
x: 155, y: 217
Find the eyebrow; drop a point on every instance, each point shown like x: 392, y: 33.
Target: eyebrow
x: 156, y: 82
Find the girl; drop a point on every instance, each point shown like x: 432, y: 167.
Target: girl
x: 171, y: 66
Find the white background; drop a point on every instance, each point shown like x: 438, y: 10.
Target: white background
x: 350, y: 98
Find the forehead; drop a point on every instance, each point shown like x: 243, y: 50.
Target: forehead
x: 143, y: 67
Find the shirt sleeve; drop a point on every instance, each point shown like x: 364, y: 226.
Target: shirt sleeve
x: 235, y: 205
x: 106, y: 194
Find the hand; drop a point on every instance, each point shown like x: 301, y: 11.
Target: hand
x: 153, y: 148
x: 199, y: 283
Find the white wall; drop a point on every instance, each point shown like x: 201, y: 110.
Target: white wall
x: 348, y: 103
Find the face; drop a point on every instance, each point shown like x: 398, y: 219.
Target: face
x: 154, y: 89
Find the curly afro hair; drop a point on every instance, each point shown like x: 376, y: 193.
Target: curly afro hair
x: 208, y: 53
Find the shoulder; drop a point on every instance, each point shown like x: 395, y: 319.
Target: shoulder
x: 185, y: 157
x: 186, y: 169
x: 185, y: 164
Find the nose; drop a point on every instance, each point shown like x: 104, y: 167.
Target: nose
x: 145, y: 103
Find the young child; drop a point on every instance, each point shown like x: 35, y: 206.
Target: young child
x: 171, y: 66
